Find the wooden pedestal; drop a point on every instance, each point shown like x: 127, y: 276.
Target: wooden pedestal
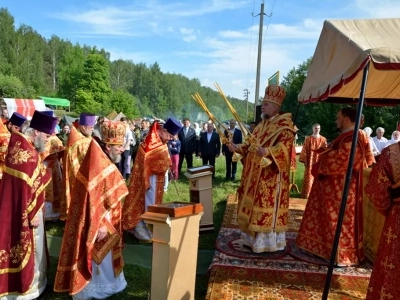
x: 175, y: 243
x: 200, y: 185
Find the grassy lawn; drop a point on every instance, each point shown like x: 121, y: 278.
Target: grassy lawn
x: 139, y: 278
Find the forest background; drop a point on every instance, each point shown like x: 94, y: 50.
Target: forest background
x: 33, y: 66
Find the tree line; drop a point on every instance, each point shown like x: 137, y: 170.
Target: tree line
x: 33, y: 66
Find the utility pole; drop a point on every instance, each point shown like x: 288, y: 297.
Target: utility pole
x: 260, y: 33
x: 246, y: 97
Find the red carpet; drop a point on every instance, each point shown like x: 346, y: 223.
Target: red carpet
x: 237, y: 273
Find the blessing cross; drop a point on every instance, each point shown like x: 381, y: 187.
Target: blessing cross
x: 385, y: 264
x: 390, y: 236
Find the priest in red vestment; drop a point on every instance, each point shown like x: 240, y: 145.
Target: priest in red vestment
x: 263, y: 194
x: 51, y: 158
x: 383, y: 189
x: 318, y: 226
x: 15, y: 123
x: 310, y: 157
x: 23, y: 259
x: 146, y: 185
x: 90, y: 263
x: 75, y: 150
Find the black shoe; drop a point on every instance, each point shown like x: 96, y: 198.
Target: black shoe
x: 233, y: 179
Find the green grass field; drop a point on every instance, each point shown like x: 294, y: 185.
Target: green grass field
x: 139, y: 278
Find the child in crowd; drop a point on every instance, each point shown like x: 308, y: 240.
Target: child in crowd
x: 174, y: 147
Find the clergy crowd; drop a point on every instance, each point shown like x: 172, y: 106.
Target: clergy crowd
x: 76, y: 179
x: 83, y: 175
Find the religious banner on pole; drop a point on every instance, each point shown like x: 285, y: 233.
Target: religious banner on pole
x: 274, y: 79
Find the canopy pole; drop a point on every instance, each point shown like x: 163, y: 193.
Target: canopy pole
x: 346, y: 184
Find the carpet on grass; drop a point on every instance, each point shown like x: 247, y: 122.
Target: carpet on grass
x: 238, y: 273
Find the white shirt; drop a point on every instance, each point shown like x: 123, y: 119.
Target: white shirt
x: 128, y: 139
x: 209, y: 134
x: 380, y: 144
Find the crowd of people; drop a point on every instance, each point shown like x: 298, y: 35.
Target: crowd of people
x: 99, y: 176
x: 96, y: 175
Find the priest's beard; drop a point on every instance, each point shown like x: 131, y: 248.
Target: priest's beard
x: 39, y: 144
x: 115, y: 158
x: 265, y: 116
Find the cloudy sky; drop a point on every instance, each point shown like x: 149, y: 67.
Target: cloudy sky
x: 212, y: 40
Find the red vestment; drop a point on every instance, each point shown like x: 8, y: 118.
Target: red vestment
x: 99, y: 189
x: 21, y: 194
x: 152, y: 159
x: 75, y: 151
x: 383, y: 190
x: 53, y: 192
x: 318, y: 226
x: 310, y: 157
x: 263, y: 193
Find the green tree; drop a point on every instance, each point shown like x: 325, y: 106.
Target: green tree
x: 70, y: 72
x: 53, y: 53
x: 123, y: 101
x: 95, y: 81
x: 7, y: 37
x: 12, y: 87
x: 121, y: 74
x: 86, y: 102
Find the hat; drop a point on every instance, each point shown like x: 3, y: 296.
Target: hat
x: 113, y: 132
x: 274, y: 94
x: 87, y: 119
x: 48, y: 112
x: 43, y: 122
x: 17, y: 119
x: 172, y: 126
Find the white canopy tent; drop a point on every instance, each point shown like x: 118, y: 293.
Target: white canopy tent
x: 344, y: 48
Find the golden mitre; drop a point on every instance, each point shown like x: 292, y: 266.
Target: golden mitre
x: 274, y: 94
x: 113, y: 132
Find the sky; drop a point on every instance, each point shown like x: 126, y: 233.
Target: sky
x: 215, y: 41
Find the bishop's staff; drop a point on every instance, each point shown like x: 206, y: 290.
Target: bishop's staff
x: 200, y: 102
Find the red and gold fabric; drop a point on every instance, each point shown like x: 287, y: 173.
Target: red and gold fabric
x: 74, y: 153
x: 4, y: 139
x: 383, y: 190
x: 51, y: 155
x: 152, y: 159
x: 263, y: 194
x: 309, y: 157
x: 21, y: 194
x: 98, y: 191
x: 318, y: 226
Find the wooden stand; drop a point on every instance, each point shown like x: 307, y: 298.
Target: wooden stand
x: 175, y: 243
x: 293, y: 185
x: 200, y: 185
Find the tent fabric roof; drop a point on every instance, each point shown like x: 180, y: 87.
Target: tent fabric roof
x: 112, y: 115
x: 55, y: 101
x: 343, y: 50
x: 25, y: 107
x: 119, y: 116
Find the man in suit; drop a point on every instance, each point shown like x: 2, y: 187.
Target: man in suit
x: 236, y: 134
x: 187, y: 136
x: 209, y: 146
